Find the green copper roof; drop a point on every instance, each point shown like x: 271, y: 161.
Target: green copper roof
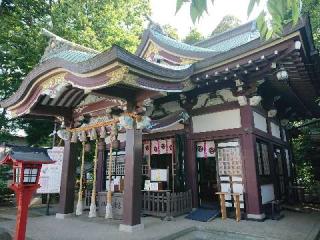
x: 235, y: 41
x: 71, y: 56
x: 174, y: 43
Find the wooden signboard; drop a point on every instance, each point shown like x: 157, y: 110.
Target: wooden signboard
x: 159, y: 175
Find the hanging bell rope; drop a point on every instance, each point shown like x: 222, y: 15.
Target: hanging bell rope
x: 93, y: 207
x: 80, y: 204
x: 109, y: 193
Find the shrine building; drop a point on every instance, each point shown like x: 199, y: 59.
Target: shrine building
x: 181, y: 122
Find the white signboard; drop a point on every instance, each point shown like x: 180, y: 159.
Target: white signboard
x: 50, y: 175
x: 159, y: 175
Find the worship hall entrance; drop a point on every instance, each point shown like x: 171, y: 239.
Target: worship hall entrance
x: 207, y: 174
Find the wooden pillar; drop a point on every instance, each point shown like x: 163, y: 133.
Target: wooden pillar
x: 191, y: 171
x: 132, y: 182
x: 68, y: 177
x: 101, y: 167
x: 251, y: 184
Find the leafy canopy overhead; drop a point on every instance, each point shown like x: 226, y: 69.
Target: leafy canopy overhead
x: 193, y: 36
x: 270, y: 21
x: 97, y: 24
x: 170, y: 31
x: 227, y: 22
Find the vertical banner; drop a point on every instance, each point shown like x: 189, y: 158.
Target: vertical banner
x: 162, y: 146
x: 200, y: 149
x: 154, y: 147
x: 211, y: 150
x: 169, y: 146
x: 146, y: 148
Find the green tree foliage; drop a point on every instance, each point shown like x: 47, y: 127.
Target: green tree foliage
x: 193, y: 36
x: 4, y: 190
x: 97, y: 24
x: 170, y: 31
x: 100, y: 24
x: 21, y: 46
x: 312, y: 7
x: 281, y: 12
x: 227, y: 22
x: 303, y: 153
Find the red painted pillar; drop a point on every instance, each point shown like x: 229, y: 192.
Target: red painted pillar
x: 23, y: 196
x: 68, y: 179
x: 191, y: 171
x: 132, y: 182
x: 252, y: 188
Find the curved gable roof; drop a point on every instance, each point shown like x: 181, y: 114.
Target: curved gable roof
x: 173, y: 46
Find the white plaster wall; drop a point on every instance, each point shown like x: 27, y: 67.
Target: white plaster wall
x: 275, y: 130
x: 260, y: 122
x: 217, y: 121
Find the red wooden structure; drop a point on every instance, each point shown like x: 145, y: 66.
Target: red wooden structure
x: 26, y: 163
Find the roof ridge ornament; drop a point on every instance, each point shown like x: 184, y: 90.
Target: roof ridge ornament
x: 57, y: 44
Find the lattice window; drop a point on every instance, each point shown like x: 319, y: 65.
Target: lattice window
x: 263, y: 158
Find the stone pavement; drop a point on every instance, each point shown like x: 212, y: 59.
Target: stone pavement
x: 294, y: 226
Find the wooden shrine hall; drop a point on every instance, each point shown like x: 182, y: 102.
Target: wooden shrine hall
x: 177, y: 121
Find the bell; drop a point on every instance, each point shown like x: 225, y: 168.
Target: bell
x: 115, y: 144
x: 93, y: 134
x: 103, y: 132
x: 74, y: 137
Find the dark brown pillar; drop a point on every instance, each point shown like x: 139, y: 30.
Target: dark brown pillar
x: 132, y: 181
x: 66, y: 202
x: 191, y: 171
x: 101, y: 167
x: 251, y: 185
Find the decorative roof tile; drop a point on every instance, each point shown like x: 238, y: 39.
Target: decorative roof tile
x: 71, y: 55
x: 177, y: 44
x: 235, y: 41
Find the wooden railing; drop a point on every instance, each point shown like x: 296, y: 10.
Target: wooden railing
x: 166, y: 204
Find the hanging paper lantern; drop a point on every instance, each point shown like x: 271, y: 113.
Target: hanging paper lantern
x: 103, y: 132
x: 74, y: 137
x: 200, y: 149
x: 169, y: 146
x: 211, y: 150
x: 93, y: 134
x: 146, y: 148
x: 162, y: 146
x: 154, y: 147
x: 63, y: 134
